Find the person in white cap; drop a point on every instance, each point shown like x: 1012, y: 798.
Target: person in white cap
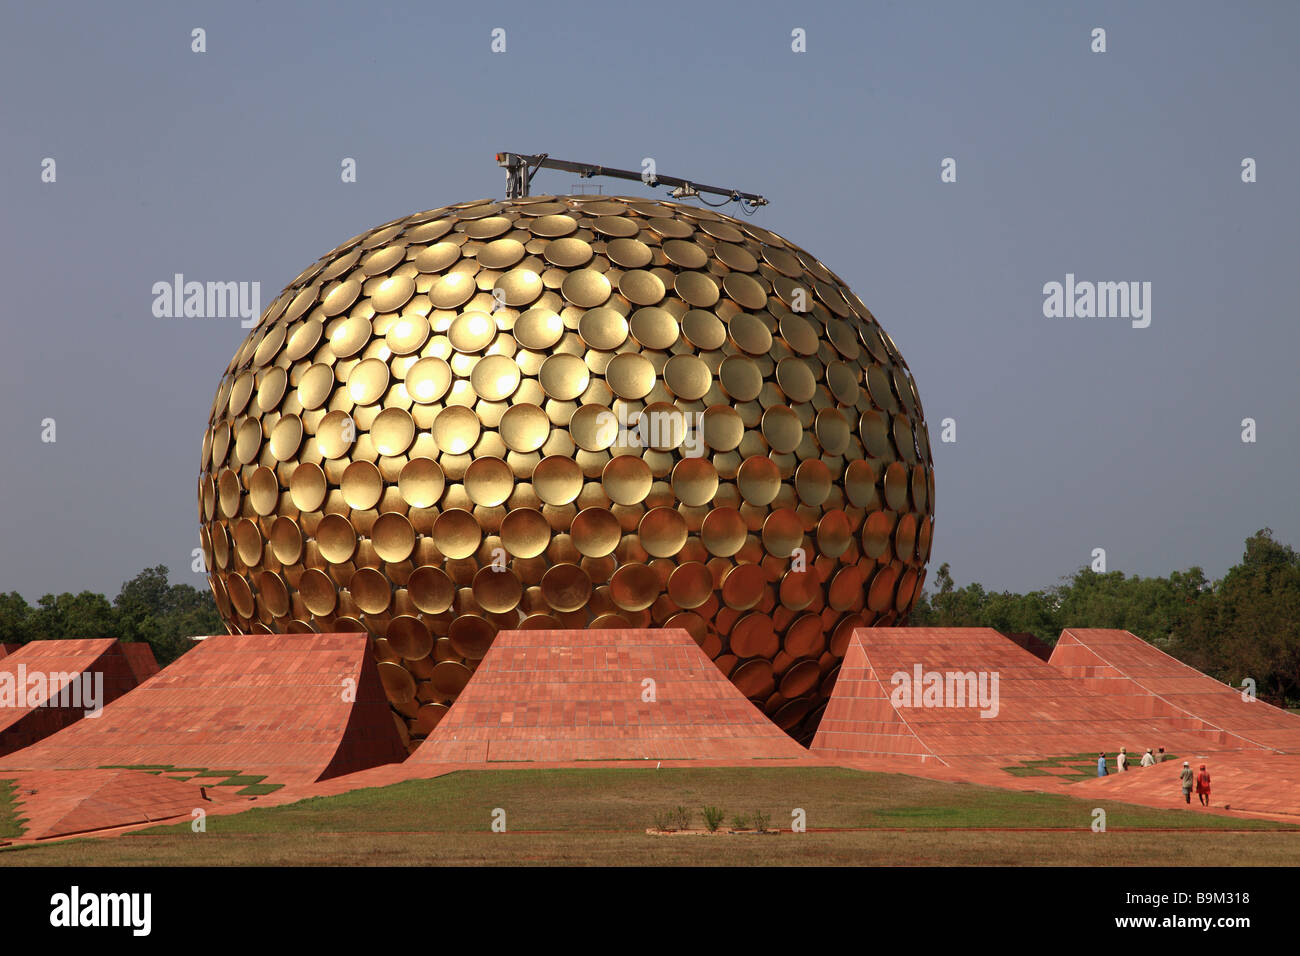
x: 1122, y: 759
x: 1147, y: 759
x: 1186, y: 777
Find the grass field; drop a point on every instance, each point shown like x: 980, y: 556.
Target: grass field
x: 599, y: 816
x: 10, y: 821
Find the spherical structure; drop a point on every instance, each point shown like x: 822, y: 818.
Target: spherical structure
x: 569, y: 412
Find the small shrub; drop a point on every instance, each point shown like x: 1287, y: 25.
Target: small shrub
x: 761, y: 820
x: 712, y: 818
x: 682, y: 818
x: 740, y: 822
x: 664, y: 821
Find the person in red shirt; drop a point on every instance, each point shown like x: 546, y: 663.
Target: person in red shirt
x: 1203, y: 786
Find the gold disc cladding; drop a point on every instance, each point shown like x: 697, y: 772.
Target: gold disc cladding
x: 489, y: 481
x: 368, y: 381
x: 427, y: 380
x: 524, y: 427
x: 362, y: 486
x: 567, y: 253
x: 603, y: 329
x: 628, y: 253
x: 626, y: 478
x: 495, y: 378
x: 456, y: 534
x: 539, y: 329
x: 630, y: 375
x: 421, y: 483
x: 586, y: 288
x: 654, y: 328
x: 501, y: 254
x: 392, y: 431
x: 616, y: 393
x: 472, y: 332
x: 564, y: 377
x: 456, y: 429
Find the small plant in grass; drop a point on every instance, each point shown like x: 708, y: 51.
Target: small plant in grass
x: 682, y: 818
x: 761, y: 820
x: 740, y: 822
x: 664, y: 820
x: 712, y: 818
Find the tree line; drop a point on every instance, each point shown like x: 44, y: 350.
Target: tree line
x: 147, y: 609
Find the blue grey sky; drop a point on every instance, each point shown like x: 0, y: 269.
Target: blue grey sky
x: 1072, y: 434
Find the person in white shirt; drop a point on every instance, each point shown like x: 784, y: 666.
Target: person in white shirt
x: 1147, y: 759
x: 1122, y: 759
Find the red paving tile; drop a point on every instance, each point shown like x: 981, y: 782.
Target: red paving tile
x: 1120, y: 664
x: 1042, y: 711
x: 555, y: 696
x: 264, y: 704
x: 39, y: 709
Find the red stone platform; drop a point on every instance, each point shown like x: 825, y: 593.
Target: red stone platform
x: 1120, y: 664
x: 1042, y: 711
x: 60, y: 664
x: 272, y: 705
x: 578, y: 695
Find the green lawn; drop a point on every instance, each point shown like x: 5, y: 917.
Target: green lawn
x: 11, y: 824
x: 599, y: 816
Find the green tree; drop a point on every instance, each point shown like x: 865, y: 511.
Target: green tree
x: 1250, y: 625
x: 72, y: 616
x: 164, y: 615
x: 15, y: 619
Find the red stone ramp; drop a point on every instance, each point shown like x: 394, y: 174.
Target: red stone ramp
x: 1041, y: 711
x: 547, y: 695
x: 269, y: 704
x: 1257, y: 782
x: 46, y: 686
x: 1121, y: 664
x: 61, y: 803
x: 140, y: 656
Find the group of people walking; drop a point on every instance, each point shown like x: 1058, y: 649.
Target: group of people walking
x: 1200, y: 779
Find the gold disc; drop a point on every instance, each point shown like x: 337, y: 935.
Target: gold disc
x: 557, y: 480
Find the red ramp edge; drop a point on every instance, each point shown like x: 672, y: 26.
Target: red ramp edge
x: 1119, y: 663
x: 568, y: 695
x: 1041, y: 710
x: 36, y: 711
x: 255, y: 703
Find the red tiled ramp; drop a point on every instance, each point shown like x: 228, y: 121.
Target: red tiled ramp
x: 58, y: 803
x: 271, y: 704
x: 1041, y: 711
x: 1118, y: 663
x: 1252, y: 781
x: 580, y: 695
x: 48, y: 685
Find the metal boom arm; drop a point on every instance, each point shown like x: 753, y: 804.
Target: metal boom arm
x: 519, y: 177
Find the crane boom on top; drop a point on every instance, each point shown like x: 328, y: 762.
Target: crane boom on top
x: 521, y: 167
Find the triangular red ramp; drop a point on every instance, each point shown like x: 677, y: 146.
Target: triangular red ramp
x: 555, y: 696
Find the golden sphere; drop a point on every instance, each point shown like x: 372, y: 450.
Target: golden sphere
x: 569, y: 412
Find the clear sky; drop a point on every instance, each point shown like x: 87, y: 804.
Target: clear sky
x: 1072, y: 434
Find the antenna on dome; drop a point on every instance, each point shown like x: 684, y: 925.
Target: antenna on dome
x: 521, y: 167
